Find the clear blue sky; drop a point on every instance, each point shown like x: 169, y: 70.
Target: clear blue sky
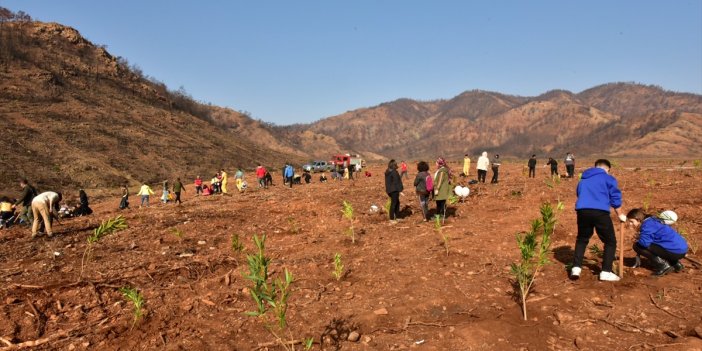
x: 299, y: 61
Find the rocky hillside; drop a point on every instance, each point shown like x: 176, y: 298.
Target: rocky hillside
x: 73, y: 115
x: 618, y: 119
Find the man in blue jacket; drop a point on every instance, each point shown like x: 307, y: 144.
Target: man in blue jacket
x: 597, y: 191
x: 289, y: 172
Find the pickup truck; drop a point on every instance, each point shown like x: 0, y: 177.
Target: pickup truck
x: 318, y: 166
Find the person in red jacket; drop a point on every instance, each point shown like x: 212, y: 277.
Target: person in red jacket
x: 198, y: 186
x: 403, y: 170
x: 261, y: 176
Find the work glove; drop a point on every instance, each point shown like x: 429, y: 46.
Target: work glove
x: 622, y: 218
x: 436, y: 192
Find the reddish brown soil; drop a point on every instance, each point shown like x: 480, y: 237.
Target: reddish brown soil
x: 463, y: 301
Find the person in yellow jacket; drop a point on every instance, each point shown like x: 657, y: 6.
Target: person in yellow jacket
x: 466, y: 165
x: 145, y: 192
x: 224, y: 182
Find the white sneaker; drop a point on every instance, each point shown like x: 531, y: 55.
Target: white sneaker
x: 609, y: 277
x: 575, y: 273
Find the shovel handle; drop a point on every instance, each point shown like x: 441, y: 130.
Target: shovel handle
x: 621, y: 249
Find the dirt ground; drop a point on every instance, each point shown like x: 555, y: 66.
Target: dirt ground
x: 400, y: 290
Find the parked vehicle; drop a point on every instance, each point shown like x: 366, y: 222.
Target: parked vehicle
x: 348, y: 159
x: 318, y: 166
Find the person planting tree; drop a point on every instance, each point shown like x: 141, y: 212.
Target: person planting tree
x: 658, y: 242
x: 597, y: 191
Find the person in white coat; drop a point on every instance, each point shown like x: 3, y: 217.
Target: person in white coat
x: 482, y: 166
x: 45, y: 205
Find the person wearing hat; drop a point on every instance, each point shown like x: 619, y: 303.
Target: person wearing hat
x: 597, y: 192
x: 658, y: 242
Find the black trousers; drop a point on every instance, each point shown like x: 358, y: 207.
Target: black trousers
x: 177, y: 199
x: 481, y: 175
x: 600, y: 221
x: 570, y: 169
x: 532, y: 172
x: 655, y: 250
x: 495, y: 174
x: 289, y: 180
x: 394, y: 204
x: 554, y: 171
x: 441, y: 208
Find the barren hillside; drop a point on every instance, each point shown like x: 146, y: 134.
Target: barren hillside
x: 620, y: 119
x: 74, y: 115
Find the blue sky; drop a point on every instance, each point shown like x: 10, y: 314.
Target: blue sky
x: 299, y: 61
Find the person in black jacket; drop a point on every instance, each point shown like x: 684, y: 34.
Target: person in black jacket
x: 84, y: 207
x: 25, y: 199
x: 554, y: 166
x: 532, y: 166
x: 393, y: 187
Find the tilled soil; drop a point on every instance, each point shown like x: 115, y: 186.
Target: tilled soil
x: 400, y: 289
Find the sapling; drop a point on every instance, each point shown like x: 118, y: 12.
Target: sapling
x: 258, y: 274
x: 237, y: 246
x: 387, y: 207
x: 279, y: 298
x: 533, y: 253
x: 178, y: 233
x: 109, y: 226
x: 338, y: 267
x: 348, y: 214
x: 294, y: 229
x: 308, y: 342
x: 697, y: 163
x: 596, y: 251
x: 131, y: 294
x: 439, y: 229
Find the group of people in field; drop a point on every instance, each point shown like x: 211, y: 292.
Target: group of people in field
x: 39, y: 209
x: 597, y: 194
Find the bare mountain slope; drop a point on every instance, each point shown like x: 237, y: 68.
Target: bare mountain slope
x: 76, y: 116
x: 620, y: 119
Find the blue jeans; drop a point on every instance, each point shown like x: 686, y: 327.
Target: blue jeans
x: 145, y: 198
x: 424, y: 205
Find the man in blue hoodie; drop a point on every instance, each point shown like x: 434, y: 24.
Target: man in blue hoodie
x: 289, y: 172
x: 597, y: 191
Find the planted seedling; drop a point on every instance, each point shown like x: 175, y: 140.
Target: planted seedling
x: 109, y: 226
x: 533, y: 253
x: 131, y: 294
x: 348, y: 214
x: 308, y: 343
x: 178, y: 234
x: 596, y: 251
x: 387, y: 207
x: 439, y: 229
x: 258, y: 274
x: 294, y: 229
x: 338, y: 267
x: 279, y: 300
x: 237, y: 246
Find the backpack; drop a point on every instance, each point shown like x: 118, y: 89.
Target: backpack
x: 425, y: 186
